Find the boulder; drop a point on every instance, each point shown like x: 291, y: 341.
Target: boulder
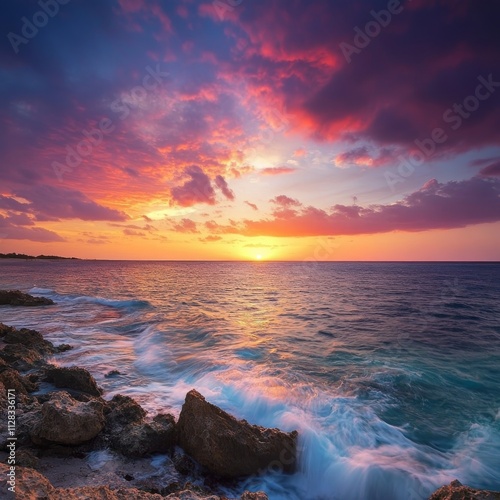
x: 18, y: 298
x: 74, y: 377
x: 457, y: 491
x: 67, y: 421
x: 231, y: 448
x: 145, y: 438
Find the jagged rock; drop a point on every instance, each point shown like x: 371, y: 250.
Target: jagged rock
x: 228, y: 447
x: 257, y: 495
x: 12, y: 380
x: 18, y: 298
x: 31, y: 485
x: 74, y: 377
x: 25, y: 458
x: 67, y: 421
x: 63, y: 347
x: 121, y: 411
x: 140, y: 439
x: 29, y: 338
x: 457, y: 491
x: 20, y: 357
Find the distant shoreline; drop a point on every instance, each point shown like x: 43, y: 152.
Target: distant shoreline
x: 22, y: 256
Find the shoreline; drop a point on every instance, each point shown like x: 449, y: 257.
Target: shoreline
x: 109, y: 460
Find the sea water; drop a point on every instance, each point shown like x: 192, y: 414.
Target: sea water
x: 389, y: 371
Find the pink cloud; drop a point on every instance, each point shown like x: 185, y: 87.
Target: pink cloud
x: 434, y: 206
x: 198, y: 189
x: 252, y: 205
x: 185, y: 226
x: 277, y: 170
x: 221, y: 183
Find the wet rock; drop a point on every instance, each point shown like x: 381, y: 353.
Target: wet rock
x: 122, y: 411
x: 112, y: 373
x: 20, y: 357
x: 258, y: 495
x: 18, y: 298
x: 27, y: 337
x: 63, y: 347
x: 140, y: 439
x: 184, y: 464
x: 26, y: 458
x: 31, y: 485
x: 228, y: 447
x: 67, y: 421
x: 457, y: 491
x: 11, y: 379
x: 74, y: 377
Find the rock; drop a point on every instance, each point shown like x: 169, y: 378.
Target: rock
x: 140, y: 439
x: 112, y: 373
x: 121, y: 411
x: 18, y: 298
x: 63, y: 347
x: 67, y: 421
x: 231, y: 448
x: 20, y: 356
x: 29, y: 338
x: 258, y: 495
x: 31, y: 485
x: 25, y: 458
x: 11, y: 379
x: 184, y: 464
x: 74, y: 377
x: 457, y: 491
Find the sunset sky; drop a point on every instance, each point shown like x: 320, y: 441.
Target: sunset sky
x: 238, y: 129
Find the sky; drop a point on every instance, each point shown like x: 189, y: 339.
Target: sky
x: 250, y: 129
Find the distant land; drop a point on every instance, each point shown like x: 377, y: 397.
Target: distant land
x: 24, y: 256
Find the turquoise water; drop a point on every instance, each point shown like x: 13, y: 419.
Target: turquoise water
x: 390, y: 371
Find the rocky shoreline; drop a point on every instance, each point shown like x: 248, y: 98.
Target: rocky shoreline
x: 207, y: 447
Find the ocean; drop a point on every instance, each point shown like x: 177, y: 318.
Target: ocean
x: 389, y: 371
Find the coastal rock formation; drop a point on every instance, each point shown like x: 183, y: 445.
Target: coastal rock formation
x: 31, y: 485
x: 140, y: 439
x: 74, y: 378
x: 18, y: 298
x: 10, y: 378
x: 457, y: 491
x: 63, y: 420
x: 130, y: 435
x: 228, y: 447
x: 24, y: 348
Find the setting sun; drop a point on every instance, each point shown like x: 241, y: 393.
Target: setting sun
x: 258, y: 257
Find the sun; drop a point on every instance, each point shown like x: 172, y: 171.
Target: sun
x: 258, y: 257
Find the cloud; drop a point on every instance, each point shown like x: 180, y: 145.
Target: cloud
x: 221, y: 183
x: 185, y: 226
x: 133, y: 232
x: 277, y: 170
x: 435, y: 206
x: 10, y: 231
x: 492, y: 170
x: 210, y: 239
x: 197, y: 189
x: 285, y: 201
x: 252, y: 205
x: 364, y: 156
x: 63, y: 203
